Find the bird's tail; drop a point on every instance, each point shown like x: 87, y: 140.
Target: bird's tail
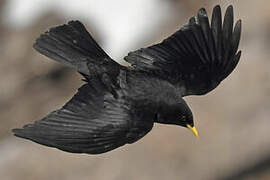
x: 72, y: 45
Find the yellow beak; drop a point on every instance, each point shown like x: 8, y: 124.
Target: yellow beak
x: 193, y: 130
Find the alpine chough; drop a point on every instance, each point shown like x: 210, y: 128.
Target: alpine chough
x: 119, y: 105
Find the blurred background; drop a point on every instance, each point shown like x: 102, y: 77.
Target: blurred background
x: 233, y: 120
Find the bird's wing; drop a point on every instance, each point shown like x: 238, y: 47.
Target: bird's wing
x: 72, y: 45
x: 92, y: 122
x: 197, y: 57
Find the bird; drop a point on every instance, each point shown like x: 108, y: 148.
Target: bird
x: 118, y: 105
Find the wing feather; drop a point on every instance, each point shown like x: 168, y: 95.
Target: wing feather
x: 92, y: 122
x: 197, y: 57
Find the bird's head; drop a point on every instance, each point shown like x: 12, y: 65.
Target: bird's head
x: 177, y: 114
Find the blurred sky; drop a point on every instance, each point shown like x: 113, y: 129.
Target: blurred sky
x: 119, y: 22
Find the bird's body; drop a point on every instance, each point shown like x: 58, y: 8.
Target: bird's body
x: 119, y: 105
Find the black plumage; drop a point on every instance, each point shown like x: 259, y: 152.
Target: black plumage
x: 119, y: 105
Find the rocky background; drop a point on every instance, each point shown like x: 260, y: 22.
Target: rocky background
x: 233, y: 121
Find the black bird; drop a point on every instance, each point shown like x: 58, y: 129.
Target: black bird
x: 119, y: 105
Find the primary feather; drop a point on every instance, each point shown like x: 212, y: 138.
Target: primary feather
x: 197, y: 57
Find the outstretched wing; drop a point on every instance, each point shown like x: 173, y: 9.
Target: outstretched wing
x: 92, y: 122
x: 72, y: 45
x: 197, y: 57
